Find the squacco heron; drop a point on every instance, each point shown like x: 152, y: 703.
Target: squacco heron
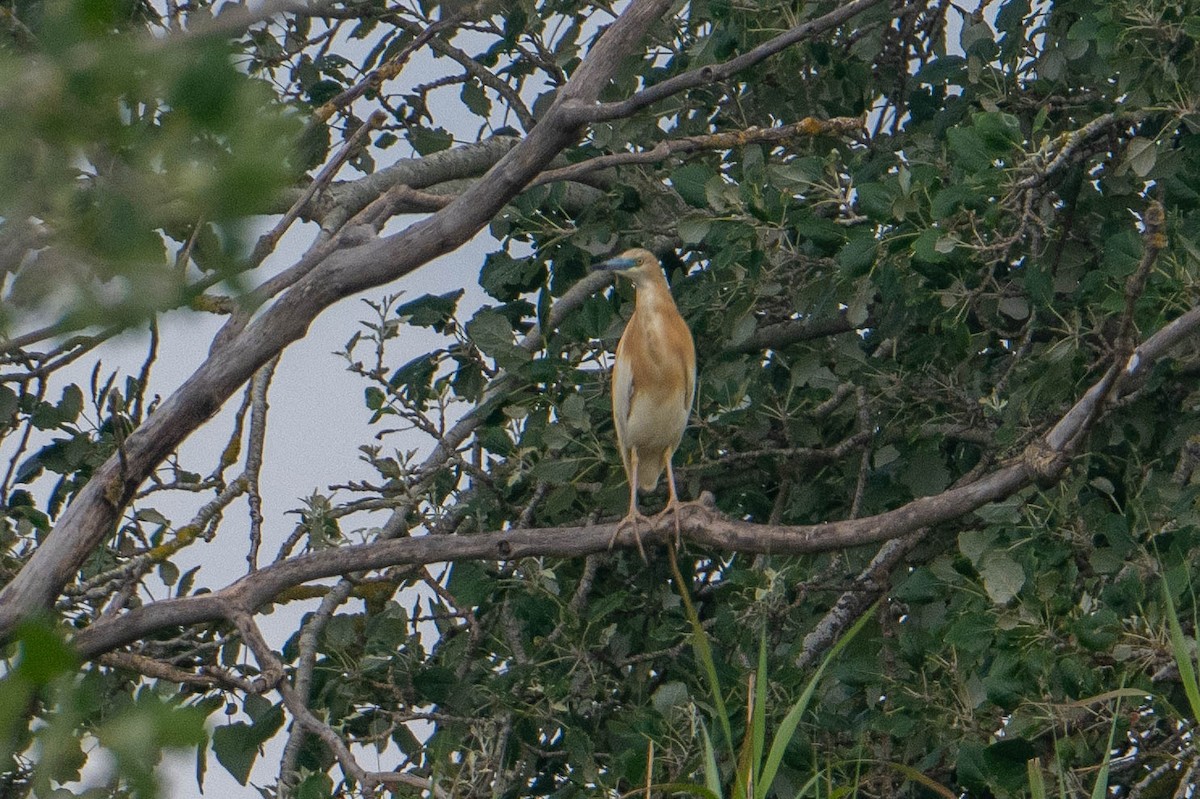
x: 653, y: 385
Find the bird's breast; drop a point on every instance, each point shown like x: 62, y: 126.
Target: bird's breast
x: 653, y: 379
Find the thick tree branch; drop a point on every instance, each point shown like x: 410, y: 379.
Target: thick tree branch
x: 468, y: 161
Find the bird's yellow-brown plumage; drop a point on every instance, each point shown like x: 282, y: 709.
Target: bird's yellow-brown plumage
x: 653, y: 381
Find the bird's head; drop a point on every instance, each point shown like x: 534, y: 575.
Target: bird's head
x: 638, y: 265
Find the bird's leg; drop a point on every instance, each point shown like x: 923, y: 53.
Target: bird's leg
x: 672, y: 501
x: 634, y: 515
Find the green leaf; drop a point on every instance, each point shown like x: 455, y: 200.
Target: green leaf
x: 1122, y: 252
x: 168, y: 572
x: 670, y: 695
x: 712, y: 775
x: 431, y: 310
x: 1100, y: 788
x: 413, y: 379
x: 557, y: 471
x: 1002, y: 576
x: 858, y: 255
x: 341, y: 633
x: 207, y: 89
x: 434, y: 684
x: 974, y: 542
x: 970, y: 768
x: 759, y: 716
x: 315, y: 786
x: 693, y: 229
x: 952, y: 198
x: 507, y: 278
x: 690, y: 181
x: 43, y: 654
x: 9, y: 404
x: 475, y: 99
x: 470, y: 582
x: 948, y: 68
x: 999, y: 132
x: 426, y: 141
x: 1141, y: 155
x: 1037, y: 783
x: 926, y: 473
x: 492, y: 334
x: 969, y: 149
x: 1015, y: 308
x: 926, y: 246
x: 374, y: 397
x: 702, y: 650
x: 71, y: 404
x: 1007, y: 763
x: 1012, y: 15
x: 236, y: 747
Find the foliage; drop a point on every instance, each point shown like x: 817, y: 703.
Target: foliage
x: 135, y: 724
x: 754, y: 776
x: 118, y: 150
x: 881, y: 317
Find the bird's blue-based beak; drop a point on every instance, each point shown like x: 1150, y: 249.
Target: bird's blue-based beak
x: 615, y: 264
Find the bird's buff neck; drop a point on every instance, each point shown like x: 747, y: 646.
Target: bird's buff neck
x: 654, y: 294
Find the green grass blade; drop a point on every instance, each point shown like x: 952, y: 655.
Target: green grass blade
x: 759, y: 719
x: 743, y: 776
x: 1183, y: 657
x: 712, y: 775
x: 1100, y: 789
x: 671, y: 789
x: 703, y: 653
x: 808, y: 785
x: 787, y: 727
x: 911, y: 774
x: 1037, y: 783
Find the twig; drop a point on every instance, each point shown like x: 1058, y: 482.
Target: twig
x: 812, y: 455
x: 1153, y: 241
x: 1071, y: 142
x: 150, y: 667
x: 22, y: 445
x: 254, y: 455
x: 306, y: 658
x: 868, y: 586
x: 805, y: 128
x: 388, y: 70
x: 266, y: 243
x: 781, y: 334
x: 476, y: 70
x: 864, y: 463
x: 143, y: 378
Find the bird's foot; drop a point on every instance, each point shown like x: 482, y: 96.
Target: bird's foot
x: 631, y: 521
x: 673, y: 508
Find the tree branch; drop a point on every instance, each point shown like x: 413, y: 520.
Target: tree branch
x: 807, y: 127
x: 781, y: 334
x: 713, y: 73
